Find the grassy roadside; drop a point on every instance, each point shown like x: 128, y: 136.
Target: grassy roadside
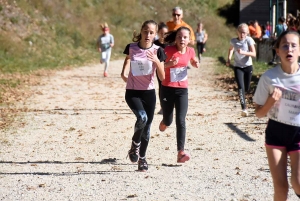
x: 14, y: 89
x: 45, y: 34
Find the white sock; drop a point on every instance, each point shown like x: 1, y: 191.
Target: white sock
x: 136, y: 144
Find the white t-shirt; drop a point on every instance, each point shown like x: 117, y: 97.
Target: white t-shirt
x: 104, y: 41
x: 239, y: 59
x: 287, y: 109
x: 200, y: 36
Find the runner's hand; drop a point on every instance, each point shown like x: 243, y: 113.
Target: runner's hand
x: 276, y: 95
x: 195, y: 63
x: 240, y: 51
x: 152, y: 56
x: 172, y: 62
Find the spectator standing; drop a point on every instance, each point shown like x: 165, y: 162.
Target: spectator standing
x: 258, y: 32
x: 265, y: 32
x: 279, y: 28
x: 285, y: 26
x: 252, y: 30
x: 292, y: 26
x: 269, y: 28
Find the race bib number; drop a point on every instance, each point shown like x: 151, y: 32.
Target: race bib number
x: 289, y: 112
x: 141, y: 67
x: 178, y: 74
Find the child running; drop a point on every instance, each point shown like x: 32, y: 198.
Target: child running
x: 143, y: 59
x: 278, y: 96
x: 243, y: 49
x: 162, y: 30
x: 201, y: 38
x: 175, y: 85
x: 104, y: 44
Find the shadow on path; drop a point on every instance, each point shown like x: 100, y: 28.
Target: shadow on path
x: 241, y: 133
x: 112, y: 161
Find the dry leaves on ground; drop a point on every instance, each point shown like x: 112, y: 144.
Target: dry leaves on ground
x: 15, y: 89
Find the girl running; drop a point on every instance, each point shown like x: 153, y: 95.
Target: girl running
x: 162, y: 30
x: 243, y: 49
x: 175, y: 85
x: 104, y: 44
x: 278, y: 96
x: 201, y: 38
x: 143, y: 59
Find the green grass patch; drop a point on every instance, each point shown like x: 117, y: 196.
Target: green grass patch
x: 58, y: 33
x: 10, y: 83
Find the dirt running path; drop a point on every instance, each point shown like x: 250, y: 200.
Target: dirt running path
x: 73, y: 143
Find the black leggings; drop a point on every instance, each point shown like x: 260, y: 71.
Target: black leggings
x: 177, y: 97
x: 243, y: 78
x: 200, y: 47
x: 273, y: 50
x: 159, y: 87
x: 142, y: 103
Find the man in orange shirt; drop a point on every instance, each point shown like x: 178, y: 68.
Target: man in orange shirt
x: 254, y: 29
x: 177, y: 22
x: 257, y: 29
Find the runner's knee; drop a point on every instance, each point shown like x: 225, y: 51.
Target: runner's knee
x: 142, y: 119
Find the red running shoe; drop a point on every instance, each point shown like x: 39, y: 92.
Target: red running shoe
x: 162, y: 126
x: 182, y: 157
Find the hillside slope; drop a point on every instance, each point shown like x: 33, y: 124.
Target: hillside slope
x: 52, y: 33
x: 38, y: 35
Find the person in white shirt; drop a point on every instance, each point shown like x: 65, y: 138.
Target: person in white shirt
x: 277, y: 96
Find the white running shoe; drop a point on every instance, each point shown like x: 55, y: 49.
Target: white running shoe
x: 244, y: 113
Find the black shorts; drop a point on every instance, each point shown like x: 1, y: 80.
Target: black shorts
x: 282, y: 136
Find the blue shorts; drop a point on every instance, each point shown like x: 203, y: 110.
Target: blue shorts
x: 282, y: 136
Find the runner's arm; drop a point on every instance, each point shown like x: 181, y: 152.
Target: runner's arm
x: 230, y: 53
x: 112, y: 41
x: 98, y: 46
x: 160, y: 71
x: 205, y: 37
x: 252, y: 52
x: 262, y: 110
x: 195, y: 63
x: 172, y: 62
x: 152, y: 56
x: 126, y: 65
